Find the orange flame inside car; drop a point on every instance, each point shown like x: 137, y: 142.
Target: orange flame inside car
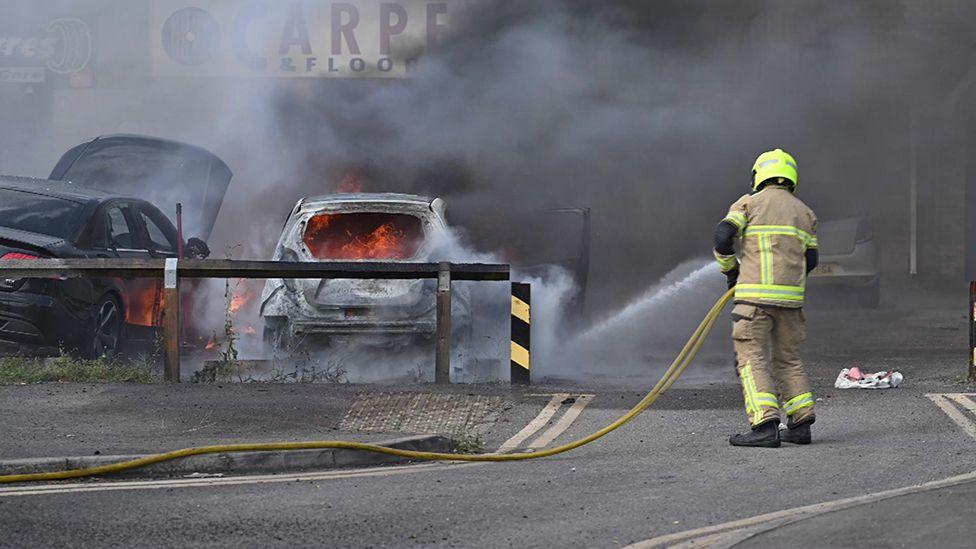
x: 363, y: 236
x: 146, y: 304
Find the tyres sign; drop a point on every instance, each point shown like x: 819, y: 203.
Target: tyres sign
x: 65, y: 48
x: 297, y: 39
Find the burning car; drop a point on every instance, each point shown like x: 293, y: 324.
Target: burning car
x: 356, y: 227
x: 86, y: 209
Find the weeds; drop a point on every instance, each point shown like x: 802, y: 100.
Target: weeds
x: 218, y: 371
x: 65, y: 369
x: 229, y: 366
x: 331, y: 374
x: 468, y: 444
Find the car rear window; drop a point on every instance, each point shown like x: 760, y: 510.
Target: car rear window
x: 36, y: 213
x: 363, y: 236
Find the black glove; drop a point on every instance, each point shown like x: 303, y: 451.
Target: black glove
x: 196, y: 249
x: 732, y: 277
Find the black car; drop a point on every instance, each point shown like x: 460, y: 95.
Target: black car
x: 67, y: 217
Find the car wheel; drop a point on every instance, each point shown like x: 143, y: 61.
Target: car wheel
x: 105, y: 333
x: 870, y: 297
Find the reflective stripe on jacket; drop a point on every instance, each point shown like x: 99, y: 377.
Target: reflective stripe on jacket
x: 776, y: 229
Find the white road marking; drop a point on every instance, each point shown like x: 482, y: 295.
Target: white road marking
x: 726, y: 534
x: 69, y: 488
x: 533, y: 426
x: 564, y: 422
x: 964, y: 401
x: 961, y: 419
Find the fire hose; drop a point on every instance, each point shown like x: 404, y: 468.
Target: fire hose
x: 674, y: 371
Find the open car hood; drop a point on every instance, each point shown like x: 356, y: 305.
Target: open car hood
x: 159, y: 171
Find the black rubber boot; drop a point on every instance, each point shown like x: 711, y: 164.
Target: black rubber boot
x: 764, y: 435
x: 797, y: 434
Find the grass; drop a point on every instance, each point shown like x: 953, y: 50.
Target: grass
x: 65, y: 369
x: 468, y: 444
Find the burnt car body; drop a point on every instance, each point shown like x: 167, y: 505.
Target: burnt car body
x: 94, y: 206
x: 354, y: 227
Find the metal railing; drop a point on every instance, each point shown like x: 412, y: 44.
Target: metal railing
x: 172, y: 271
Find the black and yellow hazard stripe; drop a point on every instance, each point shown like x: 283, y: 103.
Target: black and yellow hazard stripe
x: 521, y: 332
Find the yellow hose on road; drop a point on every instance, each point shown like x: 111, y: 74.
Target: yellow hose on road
x: 677, y: 367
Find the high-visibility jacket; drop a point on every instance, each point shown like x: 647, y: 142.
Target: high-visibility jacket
x: 775, y: 229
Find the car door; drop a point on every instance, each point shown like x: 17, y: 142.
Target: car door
x: 119, y: 234
x: 162, y: 241
x: 159, y: 237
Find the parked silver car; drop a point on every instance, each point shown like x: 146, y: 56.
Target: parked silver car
x: 356, y: 227
x: 848, y: 259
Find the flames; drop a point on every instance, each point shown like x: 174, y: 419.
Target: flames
x: 362, y: 236
x: 383, y: 243
x: 240, y: 297
x: 146, y: 303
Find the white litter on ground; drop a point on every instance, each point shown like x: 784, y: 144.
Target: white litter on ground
x: 852, y: 378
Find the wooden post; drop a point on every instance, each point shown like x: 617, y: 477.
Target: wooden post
x: 171, y: 321
x: 442, y: 361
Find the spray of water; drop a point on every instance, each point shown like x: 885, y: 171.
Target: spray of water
x: 642, y: 337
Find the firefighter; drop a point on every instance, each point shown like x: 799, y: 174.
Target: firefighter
x: 778, y: 248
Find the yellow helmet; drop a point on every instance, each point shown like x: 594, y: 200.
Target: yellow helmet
x: 771, y: 164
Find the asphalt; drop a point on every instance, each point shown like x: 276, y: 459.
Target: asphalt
x: 937, y: 517
x: 669, y: 471
x: 89, y: 419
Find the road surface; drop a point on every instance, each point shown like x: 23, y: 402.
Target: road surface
x: 670, y: 471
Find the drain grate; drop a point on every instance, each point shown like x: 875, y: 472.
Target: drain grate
x: 421, y: 413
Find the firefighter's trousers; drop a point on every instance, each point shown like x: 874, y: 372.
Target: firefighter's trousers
x: 767, y: 343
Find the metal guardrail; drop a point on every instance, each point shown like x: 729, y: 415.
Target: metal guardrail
x: 172, y: 270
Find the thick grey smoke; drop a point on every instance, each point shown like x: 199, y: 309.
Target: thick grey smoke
x: 650, y: 113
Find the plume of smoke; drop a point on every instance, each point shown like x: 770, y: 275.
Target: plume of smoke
x: 647, y: 112
x: 552, y: 292
x: 623, y: 107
